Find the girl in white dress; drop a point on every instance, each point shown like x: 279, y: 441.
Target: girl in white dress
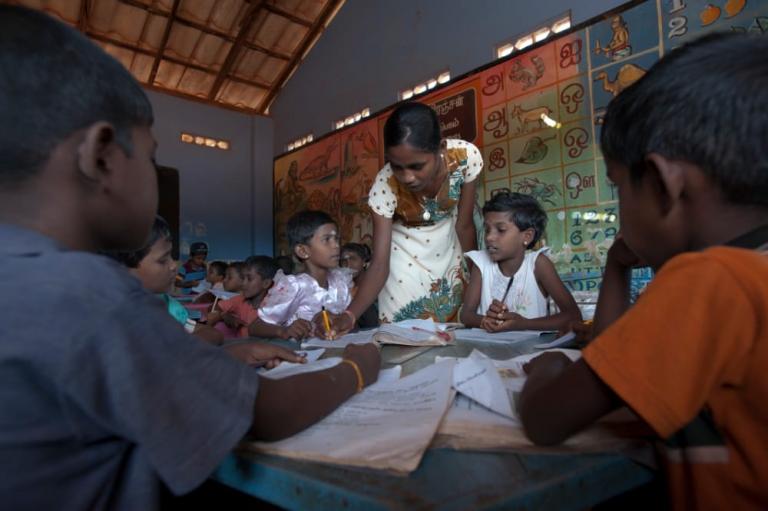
x: 509, y: 283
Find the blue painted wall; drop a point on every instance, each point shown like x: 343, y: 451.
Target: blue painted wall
x: 374, y: 48
x: 225, y: 196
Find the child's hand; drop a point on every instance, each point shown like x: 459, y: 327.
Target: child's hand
x: 549, y: 364
x: 231, y: 320
x: 318, y: 324
x: 298, y: 330
x: 367, y: 358
x: 508, y: 321
x: 268, y: 355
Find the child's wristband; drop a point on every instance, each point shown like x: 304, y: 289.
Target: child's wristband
x: 351, y: 315
x: 360, y: 381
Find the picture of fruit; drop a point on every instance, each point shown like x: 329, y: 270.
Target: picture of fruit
x: 734, y: 7
x: 709, y: 15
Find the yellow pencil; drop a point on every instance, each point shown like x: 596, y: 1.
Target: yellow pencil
x: 327, y: 323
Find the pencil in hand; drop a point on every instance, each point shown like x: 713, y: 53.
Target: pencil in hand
x: 327, y: 324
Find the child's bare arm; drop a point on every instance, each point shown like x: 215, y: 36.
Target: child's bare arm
x: 561, y: 398
x: 285, y: 407
x: 208, y: 334
x: 613, y: 300
x: 298, y: 330
x: 469, y: 315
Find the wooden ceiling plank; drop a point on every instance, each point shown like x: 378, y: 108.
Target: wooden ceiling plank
x: 164, y: 41
x: 245, y: 27
x: 311, y: 35
x: 252, y: 82
x: 287, y: 15
x: 82, y: 23
x: 207, y: 30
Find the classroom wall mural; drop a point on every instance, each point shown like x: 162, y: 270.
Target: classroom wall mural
x: 536, y: 118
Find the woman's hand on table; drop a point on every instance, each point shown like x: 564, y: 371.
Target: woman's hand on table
x: 268, y: 355
x: 367, y: 358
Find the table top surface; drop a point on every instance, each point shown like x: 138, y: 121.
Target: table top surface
x: 445, y: 479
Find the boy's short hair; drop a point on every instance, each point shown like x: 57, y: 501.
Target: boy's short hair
x: 237, y: 266
x: 302, y: 226
x: 54, y: 84
x: 198, y: 247
x: 265, y: 266
x: 361, y: 249
x: 524, y: 211
x: 703, y: 103
x: 132, y: 258
x: 218, y: 267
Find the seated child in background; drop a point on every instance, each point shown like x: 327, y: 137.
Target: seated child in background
x: 155, y: 268
x: 296, y: 301
x: 193, y: 271
x: 509, y: 281
x: 239, y: 312
x: 217, y: 270
x: 233, y: 279
x: 685, y: 147
x: 285, y: 263
x: 356, y: 257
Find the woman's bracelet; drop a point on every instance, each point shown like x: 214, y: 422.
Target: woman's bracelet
x: 351, y: 315
x: 360, y: 381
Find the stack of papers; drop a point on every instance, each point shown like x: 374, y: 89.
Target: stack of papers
x: 386, y: 427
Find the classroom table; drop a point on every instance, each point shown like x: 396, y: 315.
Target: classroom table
x: 445, y: 479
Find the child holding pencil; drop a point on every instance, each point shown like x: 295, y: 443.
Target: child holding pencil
x: 295, y: 303
x: 509, y: 282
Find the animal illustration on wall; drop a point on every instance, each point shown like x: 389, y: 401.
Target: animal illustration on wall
x: 535, y: 150
x: 627, y: 75
x: 526, y: 117
x: 538, y: 189
x: 528, y: 76
x: 317, y: 169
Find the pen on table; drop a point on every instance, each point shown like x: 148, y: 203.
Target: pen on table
x: 327, y: 323
x: 442, y: 335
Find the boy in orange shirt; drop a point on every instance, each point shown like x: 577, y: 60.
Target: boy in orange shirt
x: 242, y: 310
x: 685, y: 145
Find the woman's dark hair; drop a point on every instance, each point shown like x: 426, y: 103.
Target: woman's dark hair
x: 414, y: 124
x: 132, y: 258
x: 524, y: 211
x: 362, y: 250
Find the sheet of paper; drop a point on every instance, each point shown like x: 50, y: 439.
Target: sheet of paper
x: 221, y: 294
x: 423, y: 324
x: 560, y: 341
x: 312, y: 355
x: 361, y: 337
x: 385, y: 427
x: 478, y: 334
x: 478, y: 379
x: 286, y: 369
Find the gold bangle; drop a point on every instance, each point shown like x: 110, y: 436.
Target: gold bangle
x: 360, y: 381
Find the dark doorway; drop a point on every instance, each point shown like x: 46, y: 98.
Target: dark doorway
x: 168, y: 206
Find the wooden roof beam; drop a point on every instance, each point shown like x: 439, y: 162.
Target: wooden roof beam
x: 309, y: 38
x: 287, y: 15
x: 234, y: 51
x: 164, y: 42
